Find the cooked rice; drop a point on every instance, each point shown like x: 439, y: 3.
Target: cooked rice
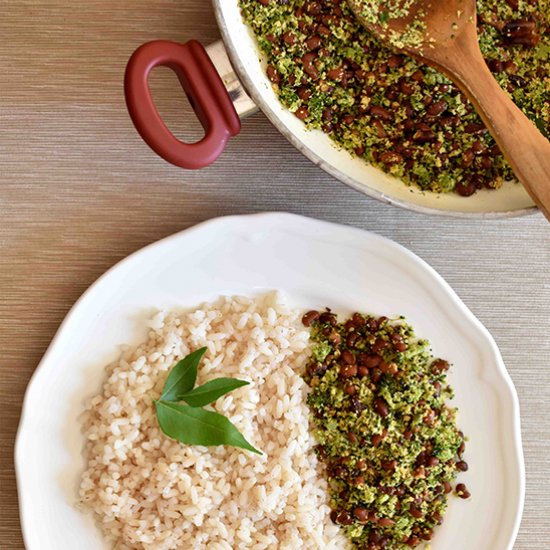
x: 148, y: 491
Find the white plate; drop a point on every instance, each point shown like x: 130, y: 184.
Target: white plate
x: 510, y: 200
x: 317, y: 264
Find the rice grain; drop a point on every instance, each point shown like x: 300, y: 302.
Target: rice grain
x: 148, y: 491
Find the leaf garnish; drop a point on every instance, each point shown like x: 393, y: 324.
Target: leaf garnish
x: 182, y: 377
x: 190, y: 423
x: 211, y: 391
x: 196, y: 426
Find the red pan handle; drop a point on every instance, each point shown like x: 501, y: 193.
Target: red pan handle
x: 204, y: 89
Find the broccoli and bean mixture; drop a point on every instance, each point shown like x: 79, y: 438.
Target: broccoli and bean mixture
x: 389, y: 440
x: 378, y: 13
x: 391, y: 110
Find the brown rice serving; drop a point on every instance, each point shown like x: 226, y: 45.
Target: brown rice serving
x: 150, y: 492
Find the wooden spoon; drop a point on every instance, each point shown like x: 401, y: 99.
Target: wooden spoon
x: 448, y: 41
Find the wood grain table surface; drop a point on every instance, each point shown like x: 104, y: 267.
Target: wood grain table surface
x: 79, y: 191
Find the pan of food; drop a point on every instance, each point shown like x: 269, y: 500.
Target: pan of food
x: 379, y: 121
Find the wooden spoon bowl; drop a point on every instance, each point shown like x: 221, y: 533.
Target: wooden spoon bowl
x: 446, y: 38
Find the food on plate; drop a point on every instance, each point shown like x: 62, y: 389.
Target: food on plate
x: 388, y: 438
x: 148, y: 491
x: 392, y: 111
x: 247, y: 424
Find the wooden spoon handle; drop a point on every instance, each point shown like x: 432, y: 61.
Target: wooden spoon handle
x: 525, y: 148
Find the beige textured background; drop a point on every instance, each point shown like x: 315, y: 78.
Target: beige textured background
x: 79, y: 191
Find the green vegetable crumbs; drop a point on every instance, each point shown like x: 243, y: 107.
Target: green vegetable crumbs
x: 379, y: 12
x: 386, y: 435
x: 396, y: 113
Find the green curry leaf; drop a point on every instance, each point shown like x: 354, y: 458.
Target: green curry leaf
x: 195, y: 426
x: 182, y: 377
x: 211, y: 391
